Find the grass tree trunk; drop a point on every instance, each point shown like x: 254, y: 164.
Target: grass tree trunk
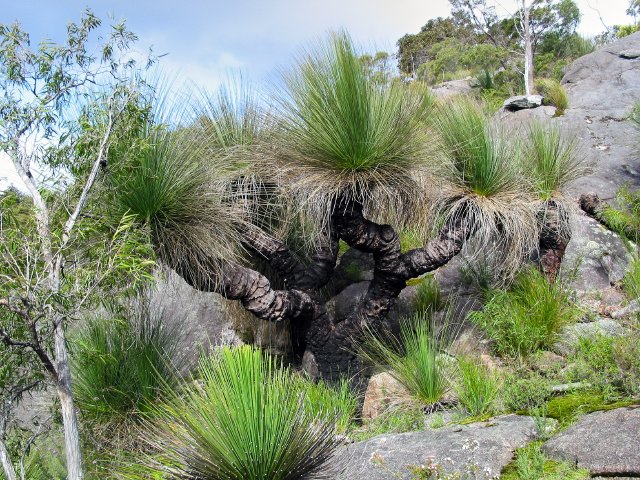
x: 328, y: 342
x: 554, y: 238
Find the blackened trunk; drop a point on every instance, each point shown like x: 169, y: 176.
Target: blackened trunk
x: 554, y: 237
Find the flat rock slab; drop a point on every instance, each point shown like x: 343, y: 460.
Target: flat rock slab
x: 488, y: 446
x: 606, y: 443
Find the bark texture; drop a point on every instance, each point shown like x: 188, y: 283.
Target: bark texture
x: 554, y: 237
x: 314, y: 327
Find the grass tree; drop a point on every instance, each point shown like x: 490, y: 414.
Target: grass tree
x: 551, y: 160
x: 357, y: 160
x: 60, y: 108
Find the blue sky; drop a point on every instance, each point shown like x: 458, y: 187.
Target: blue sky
x: 205, y: 41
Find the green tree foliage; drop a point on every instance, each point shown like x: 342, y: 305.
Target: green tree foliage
x: 475, y: 38
x: 60, y: 107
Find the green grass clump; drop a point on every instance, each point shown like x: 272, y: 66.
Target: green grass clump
x: 527, y: 317
x: 554, y: 94
x: 611, y: 365
x: 336, y: 400
x: 121, y: 366
x: 477, y: 387
x: 415, y: 358
x: 530, y: 463
x: 634, y: 116
x: 624, y: 219
x: 428, y: 298
x: 550, y: 160
x: 245, y: 417
x: 479, y: 157
x: 405, y: 418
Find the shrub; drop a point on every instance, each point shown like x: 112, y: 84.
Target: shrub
x: 244, y: 418
x: 524, y: 390
x: 415, y: 358
x: 527, y: 317
x: 553, y: 93
x: 477, y: 387
x: 611, y: 365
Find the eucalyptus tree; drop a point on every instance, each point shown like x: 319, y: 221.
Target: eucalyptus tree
x: 341, y: 157
x: 60, y: 107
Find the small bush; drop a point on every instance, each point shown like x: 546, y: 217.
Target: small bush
x: 553, y: 93
x: 531, y: 464
x: 477, y: 387
x: 610, y: 365
x: 527, y: 317
x: 524, y: 390
x: 415, y: 358
x: 244, y: 418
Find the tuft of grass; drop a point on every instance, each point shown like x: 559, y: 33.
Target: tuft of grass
x: 550, y: 160
x: 477, y: 387
x: 428, y: 298
x: 415, y: 357
x: 122, y: 365
x: 624, y: 220
x: 159, y: 177
x: 405, y: 418
x: 554, y: 94
x: 634, y: 116
x: 530, y: 463
x: 336, y: 401
x: 527, y: 317
x: 244, y: 418
x: 347, y: 134
x: 482, y: 185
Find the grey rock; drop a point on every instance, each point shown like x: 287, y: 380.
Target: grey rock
x: 602, y: 89
x: 571, y: 334
x: 599, y: 256
x: 606, y: 443
x: 631, y: 309
x: 452, y: 88
x: 345, y: 303
x: 487, y: 445
x: 630, y: 54
x: 521, y: 102
x: 198, y: 317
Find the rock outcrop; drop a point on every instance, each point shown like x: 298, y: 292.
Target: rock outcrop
x: 483, y: 447
x: 606, y: 443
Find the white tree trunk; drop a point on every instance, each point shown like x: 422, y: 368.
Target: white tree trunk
x: 528, y: 49
x: 69, y: 416
x: 7, y: 466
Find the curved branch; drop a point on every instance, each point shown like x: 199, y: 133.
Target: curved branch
x: 294, y: 272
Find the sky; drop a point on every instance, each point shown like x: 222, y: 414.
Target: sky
x: 206, y: 41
